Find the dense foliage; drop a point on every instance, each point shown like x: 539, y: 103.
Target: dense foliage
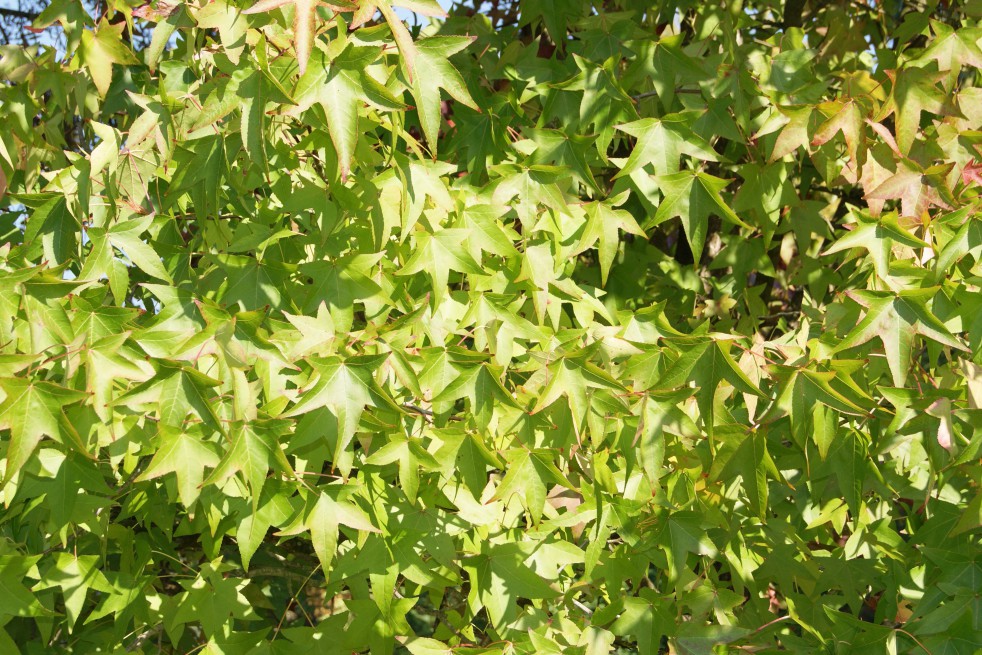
x: 544, y: 327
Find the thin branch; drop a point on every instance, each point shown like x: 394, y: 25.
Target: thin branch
x: 769, y: 624
x: 273, y: 572
x: 641, y: 96
x: 17, y: 13
x: 418, y: 410
x: 143, y: 637
x: 793, y: 13
x: 637, y: 97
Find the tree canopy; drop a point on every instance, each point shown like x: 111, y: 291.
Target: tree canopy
x: 534, y: 326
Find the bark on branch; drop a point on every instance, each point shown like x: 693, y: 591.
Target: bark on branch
x: 17, y: 13
x: 793, y: 10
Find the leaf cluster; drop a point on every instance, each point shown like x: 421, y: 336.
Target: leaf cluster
x: 545, y: 327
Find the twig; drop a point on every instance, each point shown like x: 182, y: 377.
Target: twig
x: 769, y: 624
x: 271, y: 572
x: 17, y: 13
x: 641, y: 96
x: 916, y: 640
x: 418, y: 410
x: 294, y: 599
x: 143, y: 637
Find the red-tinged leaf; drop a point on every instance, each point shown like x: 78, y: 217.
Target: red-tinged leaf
x: 972, y: 173
x: 847, y: 118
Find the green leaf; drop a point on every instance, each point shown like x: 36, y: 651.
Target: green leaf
x: 57, y: 229
x: 32, y: 410
x: 342, y: 85
x: 103, y: 48
x: 878, y: 238
x: 647, y: 620
x: 847, y: 118
x: 915, y: 91
x: 693, y: 197
x: 438, y: 254
x: 304, y: 24
x: 603, y: 225
x: 800, y: 391
x: 748, y: 458
x: 75, y: 576
x: 431, y: 71
x: 895, y: 320
x: 322, y: 517
x: 255, y: 449
x: 661, y: 142
x: 16, y: 599
x: 481, y: 385
x: 574, y: 376
x: 528, y: 473
x: 707, y: 363
x: 343, y: 386
x: 499, y: 577
x: 683, y: 533
x: 185, y: 453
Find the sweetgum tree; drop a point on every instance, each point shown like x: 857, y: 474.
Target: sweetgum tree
x: 549, y: 326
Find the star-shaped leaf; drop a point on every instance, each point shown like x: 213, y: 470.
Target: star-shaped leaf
x: 528, y: 472
x: 917, y: 189
x: 339, y: 284
x: 706, y: 361
x: 952, y: 48
x: 342, y: 85
x: 604, y: 103
x: 177, y: 391
x: 565, y: 151
x: 31, y: 410
x: 878, y: 238
x: 915, y: 90
x: 404, y: 40
x: 573, y: 376
x: 895, y: 319
x: 304, y: 19
x: 800, y: 390
x: 481, y: 385
x: 794, y: 134
x: 743, y: 452
x: 184, y: 452
x: 647, y: 619
x: 604, y: 224
x: 693, y: 197
x: 680, y: 534
x: 438, y: 254
x: 499, y: 577
x: 255, y: 449
x: 212, y: 599
x: 103, y: 48
x: 322, y: 517
x: 661, y: 142
x: 845, y: 117
x: 15, y: 598
x: 345, y: 387
x: 75, y: 575
x: 435, y: 72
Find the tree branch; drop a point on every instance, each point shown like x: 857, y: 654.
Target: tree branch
x: 793, y: 10
x: 17, y: 13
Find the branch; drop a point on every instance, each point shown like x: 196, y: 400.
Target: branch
x: 641, y: 96
x: 17, y: 13
x: 793, y: 10
x: 647, y: 94
x: 143, y: 637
